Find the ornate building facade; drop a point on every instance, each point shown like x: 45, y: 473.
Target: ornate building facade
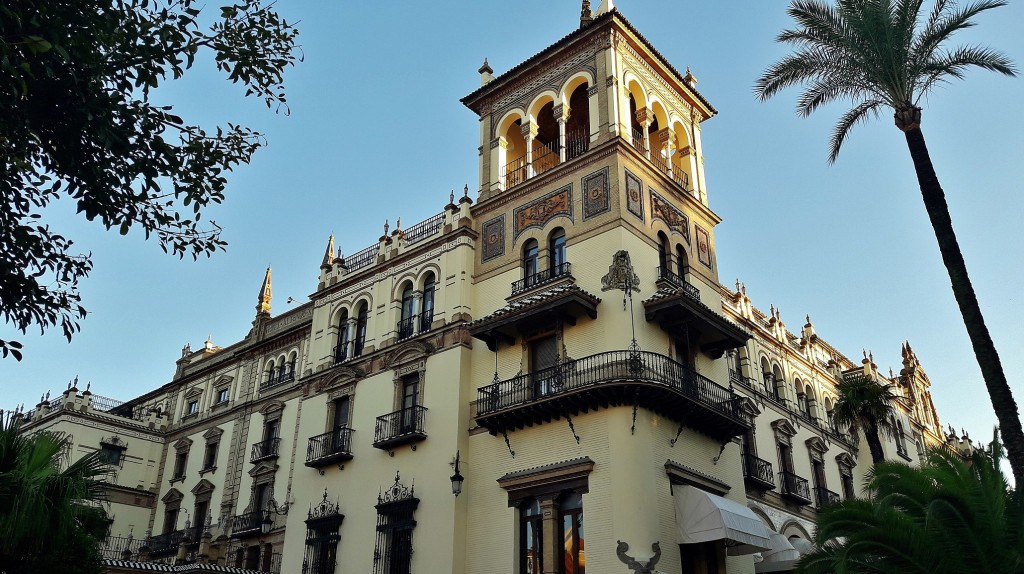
x: 559, y: 352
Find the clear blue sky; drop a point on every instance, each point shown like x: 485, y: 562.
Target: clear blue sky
x: 377, y: 131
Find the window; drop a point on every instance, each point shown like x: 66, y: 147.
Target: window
x: 341, y: 351
x: 530, y: 261
x: 341, y: 410
x: 361, y: 320
x: 663, y: 254
x: 570, y: 512
x: 543, y: 357
x: 202, y: 509
x: 703, y: 558
x: 556, y: 245
x: 531, y: 543
x: 170, y: 519
x: 405, y: 325
x: 111, y: 454
x: 180, y: 460
x: 392, y: 553
x: 428, y: 303
x: 846, y: 476
x: 681, y: 266
x: 410, y: 399
x: 901, y: 440
x: 193, y: 407
x: 322, y: 538
x: 210, y: 456
x: 223, y: 395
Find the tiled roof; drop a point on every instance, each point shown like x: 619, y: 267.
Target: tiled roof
x: 561, y: 291
x: 547, y: 468
x: 157, y: 567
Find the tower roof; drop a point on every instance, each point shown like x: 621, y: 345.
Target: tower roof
x: 263, y: 305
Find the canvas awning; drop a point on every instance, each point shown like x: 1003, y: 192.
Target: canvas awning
x: 704, y: 517
x: 784, y: 554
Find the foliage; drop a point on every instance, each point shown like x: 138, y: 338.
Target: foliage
x: 951, y: 516
x: 876, y: 54
x: 866, y: 405
x: 81, y: 121
x: 44, y: 508
x: 889, y: 53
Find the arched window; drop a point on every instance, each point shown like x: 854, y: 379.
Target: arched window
x: 766, y: 374
x: 681, y: 265
x: 361, y: 320
x: 341, y: 351
x: 406, y: 322
x: 780, y: 381
x: 530, y: 262
x: 663, y: 256
x: 901, y: 439
x: 577, y: 130
x: 556, y: 246
x: 428, y: 303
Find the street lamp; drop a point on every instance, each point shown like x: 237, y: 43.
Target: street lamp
x: 457, y: 478
x: 266, y: 524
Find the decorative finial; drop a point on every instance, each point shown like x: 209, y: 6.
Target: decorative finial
x: 398, y: 224
x: 263, y: 306
x: 386, y: 227
x: 465, y: 190
x: 328, y: 254
x: 485, y: 68
x: 586, y: 16
x: 451, y: 197
x: 808, y: 319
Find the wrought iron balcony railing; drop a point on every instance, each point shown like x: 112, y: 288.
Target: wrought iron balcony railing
x: 542, y: 278
x: 675, y: 279
x: 545, y: 156
x: 796, y: 488
x: 330, y: 447
x: 166, y: 543
x: 824, y: 496
x: 278, y: 378
x: 514, y: 172
x: 614, y: 377
x: 400, y: 427
x: 266, y: 449
x: 248, y: 524
x: 758, y: 471
x: 638, y: 141
x: 341, y: 352
x: 406, y: 327
x: 426, y: 320
x: 577, y: 143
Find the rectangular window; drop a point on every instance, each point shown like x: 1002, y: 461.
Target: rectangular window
x: 392, y: 553
x: 410, y: 399
x: 179, y: 465
x: 193, y: 407
x: 341, y: 410
x: 222, y: 395
x: 202, y: 509
x: 703, y: 558
x: 111, y: 455
x: 786, y: 457
x: 848, y: 490
x: 572, y: 535
x: 170, y: 519
x: 210, y: 456
x: 543, y: 357
x: 531, y: 542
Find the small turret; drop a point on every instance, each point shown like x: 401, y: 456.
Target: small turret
x: 263, y: 305
x: 486, y: 73
x: 328, y: 254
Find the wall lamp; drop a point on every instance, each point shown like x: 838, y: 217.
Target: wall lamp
x: 457, y: 478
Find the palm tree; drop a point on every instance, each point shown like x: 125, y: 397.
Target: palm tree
x: 866, y: 405
x: 42, y: 507
x: 884, y: 54
x: 949, y: 516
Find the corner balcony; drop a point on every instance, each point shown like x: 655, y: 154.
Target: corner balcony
x: 400, y: 428
x: 563, y: 302
x: 678, y: 311
x: 614, y: 378
x: 757, y: 472
x: 795, y: 488
x: 265, y: 450
x: 329, y: 448
x: 544, y: 157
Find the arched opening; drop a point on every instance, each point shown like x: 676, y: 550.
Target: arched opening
x: 636, y: 128
x: 556, y: 251
x: 682, y: 267
x: 780, y: 382
x: 288, y: 368
x: 427, y: 315
x: 513, y: 172
x: 663, y: 256
x: 577, y: 128
x: 901, y: 439
x: 660, y: 149
x: 766, y: 375
x: 362, y: 316
x: 545, y: 144
x: 406, y: 321
x: 681, y: 166
x: 341, y: 349
x: 531, y: 255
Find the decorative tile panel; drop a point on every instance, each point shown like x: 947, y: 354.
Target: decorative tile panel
x: 670, y: 214
x: 634, y: 195
x: 493, y: 239
x: 703, y: 246
x: 596, y: 197
x: 538, y: 212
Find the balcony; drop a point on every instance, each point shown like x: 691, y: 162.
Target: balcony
x: 679, y: 312
x: 248, y: 524
x: 825, y: 497
x: 399, y: 428
x: 795, y: 488
x: 164, y: 544
x: 545, y: 157
x: 614, y: 378
x: 329, y: 448
x: 757, y: 472
x: 677, y: 173
x: 676, y: 280
x: 278, y: 378
x: 414, y: 325
x: 564, y: 302
x: 265, y: 450
x: 542, y: 278
x: 340, y: 353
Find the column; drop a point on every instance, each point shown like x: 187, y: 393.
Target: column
x: 561, y: 113
x: 350, y: 347
x: 417, y: 308
x: 529, y: 131
x: 643, y: 116
x: 552, y: 533
x: 499, y: 155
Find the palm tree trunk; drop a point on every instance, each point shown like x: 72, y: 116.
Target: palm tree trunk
x: 984, y: 349
x: 870, y: 427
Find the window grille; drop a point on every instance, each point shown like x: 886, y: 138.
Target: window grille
x: 392, y: 553
x: 322, y: 537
